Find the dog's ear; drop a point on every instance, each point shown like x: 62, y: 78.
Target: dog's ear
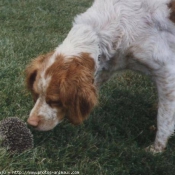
x: 82, y: 106
x: 79, y: 101
x: 77, y: 90
x: 32, y: 69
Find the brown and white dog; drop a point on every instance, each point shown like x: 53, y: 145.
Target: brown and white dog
x: 111, y: 35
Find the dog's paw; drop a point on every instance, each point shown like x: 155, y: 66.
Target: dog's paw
x: 154, y: 150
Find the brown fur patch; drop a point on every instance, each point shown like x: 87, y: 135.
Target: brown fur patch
x: 172, y: 14
x: 32, y: 70
x: 72, y: 85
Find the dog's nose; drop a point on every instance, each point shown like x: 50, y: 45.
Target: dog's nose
x: 33, y: 121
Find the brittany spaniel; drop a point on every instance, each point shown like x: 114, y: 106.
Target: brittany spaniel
x: 111, y: 35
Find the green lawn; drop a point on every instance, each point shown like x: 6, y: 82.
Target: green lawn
x: 112, y: 140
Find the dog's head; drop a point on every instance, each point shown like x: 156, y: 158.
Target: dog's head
x: 60, y: 87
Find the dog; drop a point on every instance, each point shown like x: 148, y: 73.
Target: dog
x: 111, y: 35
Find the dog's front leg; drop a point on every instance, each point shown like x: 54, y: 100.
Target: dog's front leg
x: 165, y: 80
x: 158, y: 58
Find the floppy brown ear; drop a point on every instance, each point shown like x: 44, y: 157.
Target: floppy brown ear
x: 79, y: 102
x: 82, y: 105
x: 31, y: 71
x: 77, y: 90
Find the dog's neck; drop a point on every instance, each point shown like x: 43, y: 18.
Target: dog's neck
x: 83, y: 38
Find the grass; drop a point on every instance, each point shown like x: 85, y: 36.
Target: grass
x: 112, y: 140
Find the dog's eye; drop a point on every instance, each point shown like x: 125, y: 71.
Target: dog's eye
x: 54, y: 103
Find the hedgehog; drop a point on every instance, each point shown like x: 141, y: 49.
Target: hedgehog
x: 15, y: 136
